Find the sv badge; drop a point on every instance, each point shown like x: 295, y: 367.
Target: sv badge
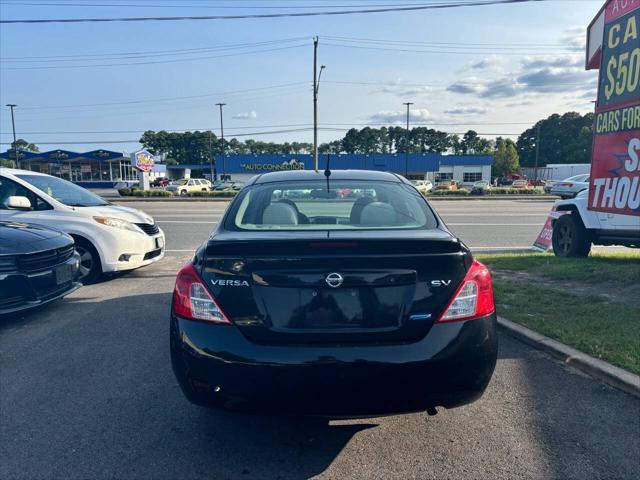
x: 440, y: 283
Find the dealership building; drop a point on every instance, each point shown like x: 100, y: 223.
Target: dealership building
x: 415, y: 166
x: 105, y: 168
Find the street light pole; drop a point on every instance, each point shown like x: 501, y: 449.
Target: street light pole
x: 15, y: 143
x: 316, y: 88
x: 537, y: 151
x: 406, y: 153
x: 222, y: 136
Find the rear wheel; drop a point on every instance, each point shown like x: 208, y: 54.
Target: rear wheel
x: 570, y: 238
x: 183, y: 193
x: 90, y: 267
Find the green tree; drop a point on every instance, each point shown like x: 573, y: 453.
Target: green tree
x: 24, y: 145
x: 505, y: 158
x: 564, y: 138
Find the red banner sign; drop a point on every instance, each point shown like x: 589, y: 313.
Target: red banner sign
x: 543, y: 242
x: 615, y: 162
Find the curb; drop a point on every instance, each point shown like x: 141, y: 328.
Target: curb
x: 167, y: 199
x: 492, y: 197
x: 598, y: 369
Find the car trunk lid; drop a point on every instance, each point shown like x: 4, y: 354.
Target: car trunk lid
x: 337, y: 286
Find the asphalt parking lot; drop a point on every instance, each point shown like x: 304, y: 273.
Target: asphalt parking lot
x: 87, y: 392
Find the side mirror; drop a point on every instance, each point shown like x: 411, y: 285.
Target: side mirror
x: 19, y: 203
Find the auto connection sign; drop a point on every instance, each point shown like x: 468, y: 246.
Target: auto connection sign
x: 615, y: 162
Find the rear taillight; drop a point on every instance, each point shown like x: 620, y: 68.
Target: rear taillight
x: 192, y: 299
x: 474, y: 297
x: 566, y: 184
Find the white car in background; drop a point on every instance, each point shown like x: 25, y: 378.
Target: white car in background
x: 187, y: 185
x: 570, y: 187
x: 423, y: 186
x: 109, y: 238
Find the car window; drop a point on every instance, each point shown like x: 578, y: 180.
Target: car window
x: 63, y: 191
x: 9, y: 188
x: 341, y: 205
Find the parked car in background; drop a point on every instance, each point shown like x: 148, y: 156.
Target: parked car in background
x: 449, y: 185
x: 520, y: 184
x: 480, y: 187
x: 229, y: 187
x: 274, y: 315
x: 504, y: 182
x: 160, y: 182
x: 37, y: 264
x: 187, y: 185
x: 538, y: 182
x: 109, y: 238
x: 571, y: 186
x: 423, y: 186
x: 548, y: 185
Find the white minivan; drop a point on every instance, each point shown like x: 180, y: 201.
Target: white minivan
x: 109, y: 238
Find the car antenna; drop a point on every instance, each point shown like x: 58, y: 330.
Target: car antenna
x: 327, y: 171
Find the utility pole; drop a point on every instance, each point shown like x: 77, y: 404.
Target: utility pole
x: 316, y: 87
x: 537, y: 151
x: 211, y: 156
x: 222, y: 136
x: 15, y: 143
x: 406, y: 153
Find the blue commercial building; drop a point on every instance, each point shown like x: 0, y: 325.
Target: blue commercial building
x: 415, y: 166
x: 107, y: 168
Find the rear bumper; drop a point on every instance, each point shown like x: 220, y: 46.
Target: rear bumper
x: 451, y: 366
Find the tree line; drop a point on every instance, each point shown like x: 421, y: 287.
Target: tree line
x: 563, y: 139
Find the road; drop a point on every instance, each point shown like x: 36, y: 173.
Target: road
x: 88, y: 392
x: 482, y: 224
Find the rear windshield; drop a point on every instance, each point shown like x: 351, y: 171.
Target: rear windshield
x: 341, y: 205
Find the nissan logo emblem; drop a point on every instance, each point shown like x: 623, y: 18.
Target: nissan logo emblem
x: 334, y: 280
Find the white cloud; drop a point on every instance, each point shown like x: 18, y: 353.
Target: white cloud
x: 487, y: 63
x: 417, y: 115
x: 246, y: 116
x: 466, y: 110
x: 546, y: 74
x: 396, y: 88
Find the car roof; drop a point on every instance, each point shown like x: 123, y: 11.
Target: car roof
x: 18, y: 171
x: 301, y: 175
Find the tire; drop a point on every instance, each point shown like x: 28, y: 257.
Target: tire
x: 183, y: 193
x: 570, y: 238
x: 90, y: 266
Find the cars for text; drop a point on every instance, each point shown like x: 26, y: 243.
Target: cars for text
x: 109, y: 238
x: 37, y: 265
x: 330, y: 306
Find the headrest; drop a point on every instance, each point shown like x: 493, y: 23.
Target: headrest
x: 378, y: 213
x: 280, y: 214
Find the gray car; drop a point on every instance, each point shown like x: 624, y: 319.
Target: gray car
x: 571, y: 186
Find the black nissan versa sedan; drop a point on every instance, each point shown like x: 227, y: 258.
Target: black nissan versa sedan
x: 307, y: 301
x: 37, y: 265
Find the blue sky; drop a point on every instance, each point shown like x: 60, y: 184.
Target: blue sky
x: 496, y: 69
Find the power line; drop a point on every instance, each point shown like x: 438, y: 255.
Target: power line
x: 270, y: 126
x: 165, y: 99
x: 191, y: 59
x: 432, y: 6
x: 149, y: 53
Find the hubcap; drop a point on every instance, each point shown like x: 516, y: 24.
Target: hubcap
x: 564, y: 238
x: 86, y: 261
